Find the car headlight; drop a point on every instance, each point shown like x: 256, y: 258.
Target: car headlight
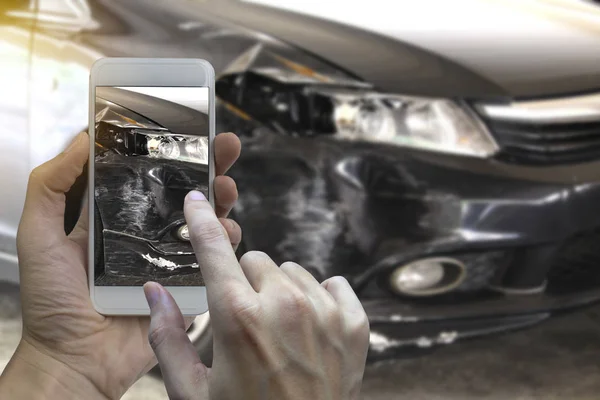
x: 431, y: 124
x: 133, y: 135
x: 294, y: 98
x: 178, y: 147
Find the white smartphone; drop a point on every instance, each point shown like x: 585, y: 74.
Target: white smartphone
x: 152, y: 124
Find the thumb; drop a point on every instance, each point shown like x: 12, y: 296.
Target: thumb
x: 184, y: 374
x: 42, y: 221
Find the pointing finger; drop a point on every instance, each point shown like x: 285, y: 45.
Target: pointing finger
x: 216, y: 258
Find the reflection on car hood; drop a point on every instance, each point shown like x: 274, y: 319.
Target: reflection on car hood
x: 172, y: 116
x: 521, y: 48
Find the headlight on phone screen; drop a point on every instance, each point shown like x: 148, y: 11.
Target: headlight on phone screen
x: 178, y: 147
x: 130, y: 137
x: 159, y: 145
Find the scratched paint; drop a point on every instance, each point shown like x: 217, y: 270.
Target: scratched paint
x: 167, y: 264
x: 380, y: 342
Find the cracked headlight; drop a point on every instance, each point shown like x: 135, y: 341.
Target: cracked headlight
x: 295, y: 99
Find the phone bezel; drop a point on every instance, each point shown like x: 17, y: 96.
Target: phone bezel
x: 130, y: 300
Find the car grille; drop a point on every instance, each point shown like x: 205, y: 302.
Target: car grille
x: 546, y: 143
x: 576, y: 265
x: 548, y: 131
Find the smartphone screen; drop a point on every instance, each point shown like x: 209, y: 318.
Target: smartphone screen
x: 151, y: 149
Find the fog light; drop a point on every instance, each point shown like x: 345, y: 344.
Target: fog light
x: 183, y: 233
x: 429, y: 276
x: 418, y: 275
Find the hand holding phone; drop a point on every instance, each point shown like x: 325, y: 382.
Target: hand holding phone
x: 152, y: 124
x: 68, y: 350
x: 277, y: 332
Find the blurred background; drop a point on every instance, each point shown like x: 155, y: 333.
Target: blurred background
x: 443, y: 156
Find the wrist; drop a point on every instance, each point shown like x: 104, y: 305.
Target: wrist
x: 32, y: 374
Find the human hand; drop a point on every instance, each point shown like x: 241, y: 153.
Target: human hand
x: 65, y: 342
x: 277, y: 332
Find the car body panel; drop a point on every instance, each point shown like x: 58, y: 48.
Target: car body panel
x: 177, y: 118
x: 482, y: 47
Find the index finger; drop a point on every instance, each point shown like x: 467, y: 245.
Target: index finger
x: 216, y: 258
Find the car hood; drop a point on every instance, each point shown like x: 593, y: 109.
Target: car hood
x: 467, y: 48
x: 175, y: 117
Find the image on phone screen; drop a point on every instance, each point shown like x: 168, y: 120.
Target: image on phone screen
x: 151, y: 149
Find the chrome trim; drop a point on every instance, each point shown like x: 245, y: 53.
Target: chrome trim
x: 520, y: 291
x: 584, y: 108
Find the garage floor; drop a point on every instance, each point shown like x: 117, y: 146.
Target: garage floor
x: 559, y: 359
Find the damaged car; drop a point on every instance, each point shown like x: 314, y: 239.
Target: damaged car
x: 452, y: 178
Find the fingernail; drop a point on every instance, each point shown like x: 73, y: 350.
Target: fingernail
x: 196, y: 195
x: 153, y: 294
x: 73, y: 144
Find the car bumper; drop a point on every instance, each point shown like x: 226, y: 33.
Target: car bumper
x: 529, y: 239
x: 396, y: 326
x: 361, y: 210
x: 132, y: 261
x: 531, y: 226
x: 140, y: 212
